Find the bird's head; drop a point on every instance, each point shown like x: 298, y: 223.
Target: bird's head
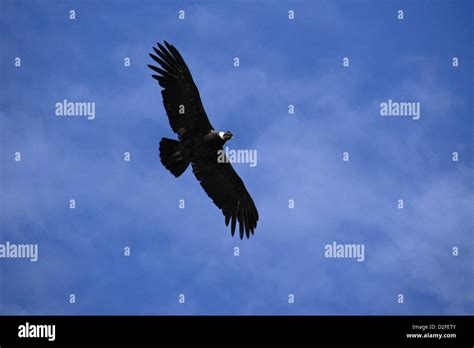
x: 225, y: 135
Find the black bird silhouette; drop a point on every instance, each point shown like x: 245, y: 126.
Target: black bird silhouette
x: 199, y: 143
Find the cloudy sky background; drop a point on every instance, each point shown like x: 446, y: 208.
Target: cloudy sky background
x: 407, y: 251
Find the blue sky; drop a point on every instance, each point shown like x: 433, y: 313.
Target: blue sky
x: 407, y: 251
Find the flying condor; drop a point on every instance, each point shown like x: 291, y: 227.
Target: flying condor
x: 199, y: 143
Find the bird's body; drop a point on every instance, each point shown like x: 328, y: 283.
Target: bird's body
x: 199, y: 148
x: 199, y: 143
x: 204, y: 145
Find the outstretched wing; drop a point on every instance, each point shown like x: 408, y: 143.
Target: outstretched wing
x: 228, y: 192
x: 180, y: 95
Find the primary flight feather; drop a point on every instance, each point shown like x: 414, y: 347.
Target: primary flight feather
x: 199, y: 143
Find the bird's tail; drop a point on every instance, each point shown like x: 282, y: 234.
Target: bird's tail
x: 172, y: 156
